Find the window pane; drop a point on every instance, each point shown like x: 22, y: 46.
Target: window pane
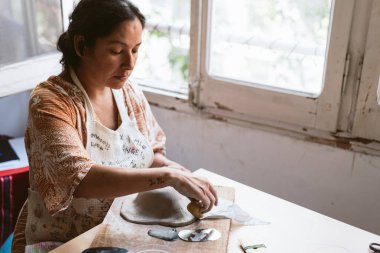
x: 278, y: 44
x: 28, y: 28
x: 164, y: 53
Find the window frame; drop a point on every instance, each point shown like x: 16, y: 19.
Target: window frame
x: 33, y: 69
x: 225, y: 98
x: 366, y: 120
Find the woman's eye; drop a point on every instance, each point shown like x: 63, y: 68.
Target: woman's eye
x: 116, y: 51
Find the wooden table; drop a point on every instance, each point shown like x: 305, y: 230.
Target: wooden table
x: 293, y: 229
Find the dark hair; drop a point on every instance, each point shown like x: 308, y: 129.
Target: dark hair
x: 94, y: 19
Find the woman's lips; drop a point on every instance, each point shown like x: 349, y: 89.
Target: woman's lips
x: 121, y: 78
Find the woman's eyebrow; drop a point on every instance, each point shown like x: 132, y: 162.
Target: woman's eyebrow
x: 122, y: 43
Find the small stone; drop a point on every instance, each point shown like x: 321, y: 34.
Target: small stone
x: 164, y: 234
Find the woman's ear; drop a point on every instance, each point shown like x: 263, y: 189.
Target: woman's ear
x: 79, y: 45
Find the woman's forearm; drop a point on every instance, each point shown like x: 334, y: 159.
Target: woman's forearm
x: 110, y: 182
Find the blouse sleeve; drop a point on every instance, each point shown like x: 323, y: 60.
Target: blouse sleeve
x: 57, y: 157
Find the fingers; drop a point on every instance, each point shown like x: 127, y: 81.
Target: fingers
x: 196, y: 188
x: 208, y: 196
x: 214, y: 193
x: 211, y: 197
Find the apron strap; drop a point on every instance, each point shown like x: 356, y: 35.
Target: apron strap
x: 87, y: 103
x: 119, y: 98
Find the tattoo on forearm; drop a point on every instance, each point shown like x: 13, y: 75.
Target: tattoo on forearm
x: 155, y: 181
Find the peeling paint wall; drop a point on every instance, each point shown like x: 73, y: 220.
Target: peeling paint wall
x: 336, y: 182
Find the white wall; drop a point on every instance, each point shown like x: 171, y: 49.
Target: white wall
x: 336, y: 182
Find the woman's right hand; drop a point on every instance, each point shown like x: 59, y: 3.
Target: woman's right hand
x: 194, y: 187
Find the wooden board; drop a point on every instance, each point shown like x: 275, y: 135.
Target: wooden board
x: 121, y: 233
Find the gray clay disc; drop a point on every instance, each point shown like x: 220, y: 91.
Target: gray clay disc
x: 164, y: 207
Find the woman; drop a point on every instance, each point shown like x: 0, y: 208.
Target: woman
x: 89, y: 127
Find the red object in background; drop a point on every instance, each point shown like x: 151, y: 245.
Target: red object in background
x: 14, y: 185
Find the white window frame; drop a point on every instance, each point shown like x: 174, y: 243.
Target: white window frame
x: 366, y: 121
x: 225, y: 98
x: 24, y: 75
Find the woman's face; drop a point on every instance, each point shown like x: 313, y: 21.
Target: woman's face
x: 111, y: 61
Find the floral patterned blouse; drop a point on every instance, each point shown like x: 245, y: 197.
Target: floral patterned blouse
x: 55, y: 140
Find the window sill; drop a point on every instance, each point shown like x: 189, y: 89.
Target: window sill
x: 179, y: 102
x: 162, y: 98
x: 25, y: 75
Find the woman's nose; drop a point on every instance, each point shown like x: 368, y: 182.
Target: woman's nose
x: 128, y: 61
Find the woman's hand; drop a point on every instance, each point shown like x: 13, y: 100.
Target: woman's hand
x: 195, y: 187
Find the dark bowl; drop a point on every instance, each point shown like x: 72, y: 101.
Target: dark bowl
x: 105, y: 250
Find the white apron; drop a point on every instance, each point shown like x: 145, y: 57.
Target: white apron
x: 123, y: 147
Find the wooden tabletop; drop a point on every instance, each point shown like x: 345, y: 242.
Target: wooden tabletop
x: 292, y: 228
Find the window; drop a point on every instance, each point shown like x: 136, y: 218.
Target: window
x: 292, y: 63
x: 270, y: 80
x: 30, y: 30
x: 233, y: 47
x: 274, y: 44
x: 164, y: 55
